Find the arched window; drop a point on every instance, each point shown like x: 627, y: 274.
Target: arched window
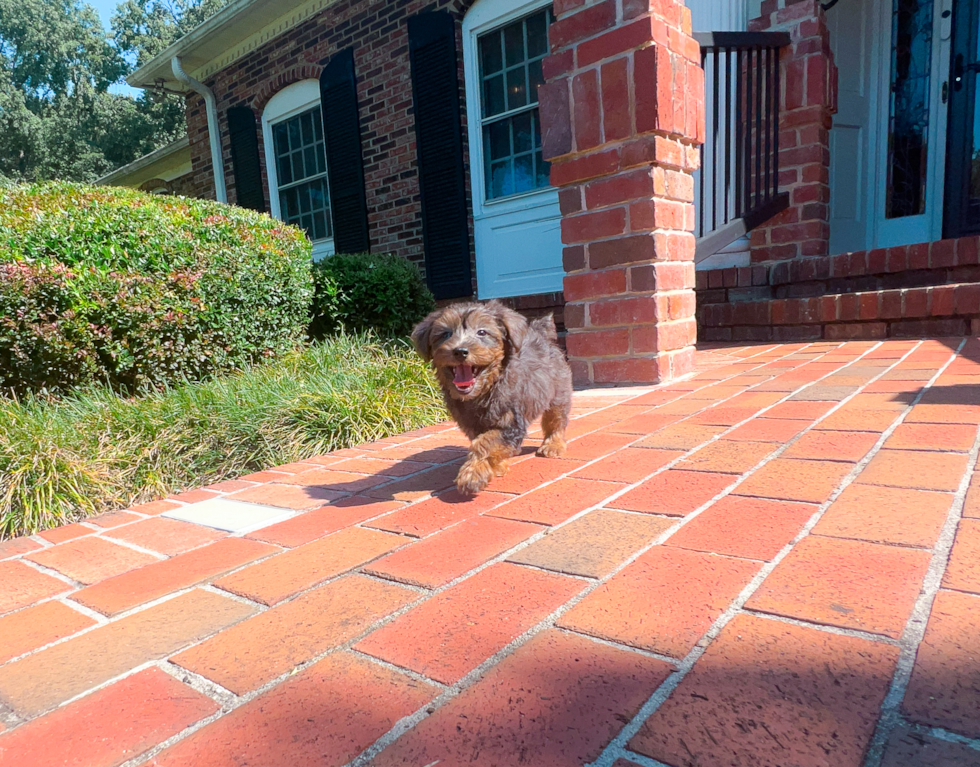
x: 296, y: 162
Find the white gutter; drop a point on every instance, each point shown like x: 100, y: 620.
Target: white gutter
x: 211, y: 108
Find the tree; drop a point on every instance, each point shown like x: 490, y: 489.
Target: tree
x: 57, y: 118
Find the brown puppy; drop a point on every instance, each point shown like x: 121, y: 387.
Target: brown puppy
x: 498, y: 373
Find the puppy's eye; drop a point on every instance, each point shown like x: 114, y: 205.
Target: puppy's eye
x: 445, y: 334
x: 482, y: 333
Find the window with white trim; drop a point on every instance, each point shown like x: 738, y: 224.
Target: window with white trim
x: 296, y: 162
x: 510, y: 73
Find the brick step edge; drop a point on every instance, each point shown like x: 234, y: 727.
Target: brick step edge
x: 941, y: 310
x: 942, y: 262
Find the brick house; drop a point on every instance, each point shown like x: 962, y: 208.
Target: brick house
x: 548, y: 154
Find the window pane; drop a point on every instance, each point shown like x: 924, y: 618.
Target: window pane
x: 514, y: 43
x: 523, y: 139
x: 500, y: 180
x: 498, y: 139
x: 321, y: 158
x: 537, y: 34
x: 524, y: 173
x: 297, y: 160
x: 542, y: 170
x: 491, y: 59
x: 294, y: 133
x: 309, y: 160
x: 280, y: 140
x: 516, y: 88
x: 908, y: 121
x: 493, y: 96
x: 536, y: 78
x: 318, y: 126
x: 306, y: 123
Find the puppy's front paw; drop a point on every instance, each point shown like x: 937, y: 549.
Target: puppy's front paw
x: 474, y: 475
x: 552, y: 447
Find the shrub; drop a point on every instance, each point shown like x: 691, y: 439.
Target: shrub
x: 117, y: 286
x: 380, y: 292
x: 93, y: 450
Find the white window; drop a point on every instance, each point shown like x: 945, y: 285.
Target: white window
x: 510, y: 73
x: 296, y: 162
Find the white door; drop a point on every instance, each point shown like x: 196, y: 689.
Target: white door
x: 852, y: 159
x: 516, y: 219
x: 913, y: 64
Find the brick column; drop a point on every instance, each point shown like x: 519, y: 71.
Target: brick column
x: 622, y: 115
x: 809, y: 100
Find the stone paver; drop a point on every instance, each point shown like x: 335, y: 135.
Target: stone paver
x: 695, y: 515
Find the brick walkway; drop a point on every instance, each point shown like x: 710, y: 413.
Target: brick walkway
x: 776, y: 562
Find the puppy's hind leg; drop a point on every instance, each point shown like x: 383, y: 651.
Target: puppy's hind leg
x: 553, y: 424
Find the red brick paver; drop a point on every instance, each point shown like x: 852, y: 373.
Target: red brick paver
x: 90, y: 560
x: 454, y: 632
x: 851, y: 584
x: 557, y: 700
x: 81, y: 663
x: 323, y: 717
x: 22, y: 585
x: 770, y: 693
x: 261, y: 648
x: 110, y: 726
x: 664, y: 601
x: 945, y: 686
x: 669, y: 554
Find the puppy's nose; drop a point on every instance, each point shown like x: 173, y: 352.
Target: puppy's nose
x: 461, y: 352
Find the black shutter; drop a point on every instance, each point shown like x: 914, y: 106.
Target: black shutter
x: 345, y: 168
x: 439, y: 146
x: 245, y: 158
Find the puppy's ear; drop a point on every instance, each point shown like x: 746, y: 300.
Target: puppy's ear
x: 420, y: 335
x: 513, y: 324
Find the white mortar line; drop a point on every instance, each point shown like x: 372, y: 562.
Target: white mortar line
x: 617, y: 747
x: 915, y: 627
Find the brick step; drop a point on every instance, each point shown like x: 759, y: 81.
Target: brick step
x: 943, y: 262
x: 938, y: 310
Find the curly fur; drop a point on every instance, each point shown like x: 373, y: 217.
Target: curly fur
x: 522, y: 376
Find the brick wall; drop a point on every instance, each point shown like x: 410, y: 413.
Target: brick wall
x: 378, y: 32
x: 808, y: 101
x: 622, y: 115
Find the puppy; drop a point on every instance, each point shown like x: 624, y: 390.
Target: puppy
x: 498, y: 373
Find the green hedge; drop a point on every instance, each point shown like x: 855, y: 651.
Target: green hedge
x: 380, y: 292
x: 110, y: 285
x: 93, y: 450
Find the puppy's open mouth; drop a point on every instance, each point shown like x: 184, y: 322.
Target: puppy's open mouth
x: 464, y: 377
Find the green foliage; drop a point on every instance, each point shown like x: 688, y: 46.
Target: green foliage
x: 135, y: 290
x: 57, y: 118
x: 93, y: 451
x: 380, y: 292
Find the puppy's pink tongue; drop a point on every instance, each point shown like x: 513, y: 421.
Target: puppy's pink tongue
x: 463, y: 375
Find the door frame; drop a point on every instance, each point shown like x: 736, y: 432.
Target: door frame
x: 483, y: 16
x: 960, y: 128
x: 927, y: 226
